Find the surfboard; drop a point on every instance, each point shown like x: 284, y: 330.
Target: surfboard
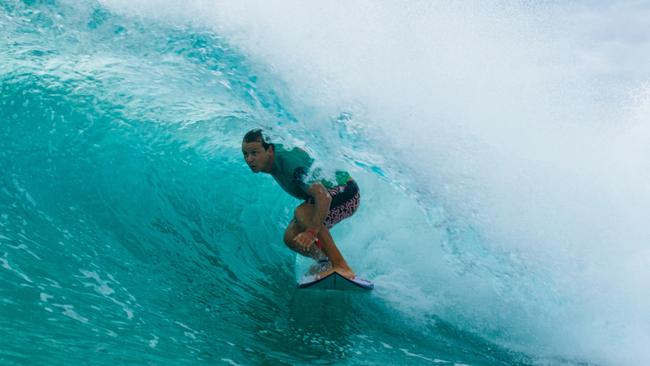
x: 334, y: 281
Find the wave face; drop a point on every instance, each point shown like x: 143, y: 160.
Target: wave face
x: 501, y: 151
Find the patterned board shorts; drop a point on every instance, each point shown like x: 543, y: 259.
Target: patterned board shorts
x: 345, y: 201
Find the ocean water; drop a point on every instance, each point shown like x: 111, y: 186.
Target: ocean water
x: 501, y: 149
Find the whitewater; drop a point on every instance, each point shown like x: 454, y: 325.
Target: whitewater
x: 501, y: 149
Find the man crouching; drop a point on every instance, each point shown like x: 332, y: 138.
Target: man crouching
x: 326, y: 202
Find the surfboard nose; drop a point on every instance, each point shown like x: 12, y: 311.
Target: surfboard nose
x: 334, y: 281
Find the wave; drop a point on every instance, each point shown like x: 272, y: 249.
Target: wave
x: 479, y: 133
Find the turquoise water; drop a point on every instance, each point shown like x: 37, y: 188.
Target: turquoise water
x: 131, y: 231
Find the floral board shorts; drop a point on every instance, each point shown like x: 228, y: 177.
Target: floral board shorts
x: 345, y: 201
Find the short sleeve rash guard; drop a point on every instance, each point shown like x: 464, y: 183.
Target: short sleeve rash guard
x: 290, y: 170
x: 294, y: 172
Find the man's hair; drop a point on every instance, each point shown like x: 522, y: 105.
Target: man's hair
x: 257, y: 136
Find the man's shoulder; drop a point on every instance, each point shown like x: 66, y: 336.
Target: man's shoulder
x: 292, y: 156
x: 282, y: 149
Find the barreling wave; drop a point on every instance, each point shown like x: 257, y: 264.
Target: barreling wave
x: 131, y: 231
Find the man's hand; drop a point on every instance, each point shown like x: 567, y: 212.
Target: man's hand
x: 305, y: 240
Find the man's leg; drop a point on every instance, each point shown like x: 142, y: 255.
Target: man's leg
x: 303, y: 215
x: 294, y: 229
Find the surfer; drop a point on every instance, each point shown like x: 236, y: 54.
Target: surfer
x: 326, y: 201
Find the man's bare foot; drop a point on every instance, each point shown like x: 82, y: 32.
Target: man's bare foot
x: 319, y: 267
x: 345, y: 272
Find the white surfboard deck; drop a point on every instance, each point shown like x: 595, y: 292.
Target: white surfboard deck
x: 334, y: 281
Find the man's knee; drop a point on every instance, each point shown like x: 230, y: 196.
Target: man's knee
x: 302, y: 214
x: 290, y: 233
x: 288, y: 240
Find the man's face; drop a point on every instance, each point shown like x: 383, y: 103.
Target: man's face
x: 258, y: 159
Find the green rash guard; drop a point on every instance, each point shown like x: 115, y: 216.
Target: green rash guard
x: 292, y: 171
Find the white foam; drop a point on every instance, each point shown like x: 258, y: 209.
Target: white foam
x: 527, y: 123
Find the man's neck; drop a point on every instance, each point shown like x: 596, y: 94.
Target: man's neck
x: 272, y: 166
